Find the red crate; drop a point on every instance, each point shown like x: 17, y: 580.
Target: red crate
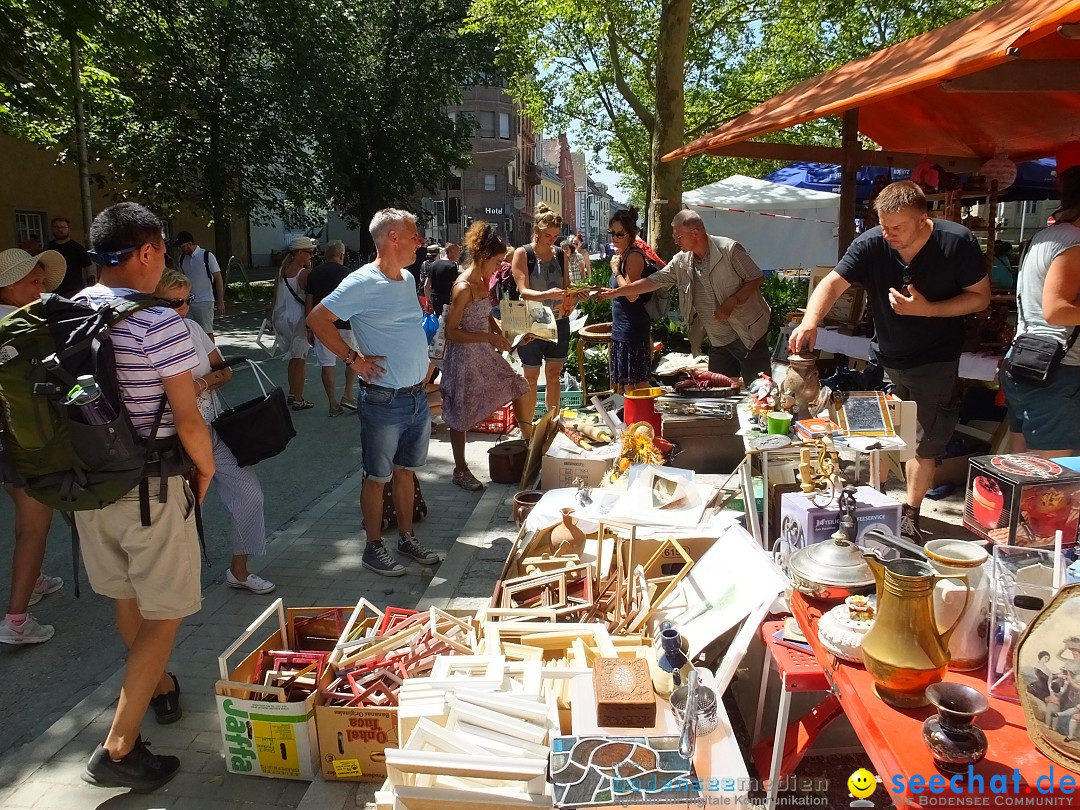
x: 502, y: 421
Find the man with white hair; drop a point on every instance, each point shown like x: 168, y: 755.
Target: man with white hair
x: 379, y: 301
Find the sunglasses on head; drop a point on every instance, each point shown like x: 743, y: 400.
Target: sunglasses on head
x: 176, y: 303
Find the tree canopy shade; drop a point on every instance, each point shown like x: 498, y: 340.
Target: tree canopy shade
x: 250, y: 107
x: 1004, y: 78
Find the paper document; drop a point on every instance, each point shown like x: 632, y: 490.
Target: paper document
x: 521, y: 318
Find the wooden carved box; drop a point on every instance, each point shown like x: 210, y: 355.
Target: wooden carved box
x: 624, y: 693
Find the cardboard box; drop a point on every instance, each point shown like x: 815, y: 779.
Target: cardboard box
x: 264, y: 737
x: 353, y: 741
x: 802, y: 523
x: 565, y: 462
x: 1021, y: 500
x: 848, y: 307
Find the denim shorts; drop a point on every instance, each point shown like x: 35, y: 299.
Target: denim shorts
x: 1049, y: 417
x: 395, y: 430
x: 202, y: 312
x: 932, y: 387
x: 535, y: 352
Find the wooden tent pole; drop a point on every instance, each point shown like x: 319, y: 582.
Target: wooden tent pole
x: 848, y: 169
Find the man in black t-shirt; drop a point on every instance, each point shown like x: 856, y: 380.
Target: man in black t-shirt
x: 921, y: 276
x: 322, y: 281
x: 74, y: 254
x: 441, y: 275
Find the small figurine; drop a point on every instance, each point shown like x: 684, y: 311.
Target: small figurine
x: 764, y: 397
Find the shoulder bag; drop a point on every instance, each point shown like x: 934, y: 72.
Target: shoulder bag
x: 259, y: 428
x: 1033, y: 359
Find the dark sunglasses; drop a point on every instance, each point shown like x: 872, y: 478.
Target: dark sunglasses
x: 176, y: 303
x: 617, y: 234
x: 906, y: 284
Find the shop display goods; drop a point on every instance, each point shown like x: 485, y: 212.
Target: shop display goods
x: 904, y: 652
x: 951, y: 734
x: 842, y: 629
x: 624, y: 695
x: 1022, y: 500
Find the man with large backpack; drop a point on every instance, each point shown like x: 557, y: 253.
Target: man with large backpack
x: 207, y: 288
x: 143, y: 550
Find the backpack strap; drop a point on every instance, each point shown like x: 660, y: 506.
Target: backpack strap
x: 76, y: 557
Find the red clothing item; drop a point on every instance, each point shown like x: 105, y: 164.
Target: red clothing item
x: 641, y: 243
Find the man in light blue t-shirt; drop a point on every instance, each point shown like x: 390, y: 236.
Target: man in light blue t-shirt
x: 379, y: 301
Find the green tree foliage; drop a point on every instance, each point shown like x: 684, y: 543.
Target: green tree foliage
x: 597, y: 60
x: 384, y: 130
x: 250, y: 107
x: 35, y: 64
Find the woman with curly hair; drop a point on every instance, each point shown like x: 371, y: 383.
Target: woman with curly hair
x: 477, y: 380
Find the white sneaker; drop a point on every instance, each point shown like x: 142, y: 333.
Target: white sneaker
x: 44, y: 586
x: 29, y: 632
x: 253, y: 583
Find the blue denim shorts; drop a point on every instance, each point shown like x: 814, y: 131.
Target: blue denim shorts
x: 395, y: 430
x: 1049, y: 417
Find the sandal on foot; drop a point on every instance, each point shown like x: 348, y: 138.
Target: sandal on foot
x: 467, y: 481
x: 300, y: 404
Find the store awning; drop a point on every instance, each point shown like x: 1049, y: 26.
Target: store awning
x: 1006, y: 77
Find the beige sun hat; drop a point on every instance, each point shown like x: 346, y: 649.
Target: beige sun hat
x: 16, y: 263
x: 303, y: 243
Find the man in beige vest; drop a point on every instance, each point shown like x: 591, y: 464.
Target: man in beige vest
x: 719, y: 295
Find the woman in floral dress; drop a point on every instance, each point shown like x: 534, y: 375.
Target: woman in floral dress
x: 477, y: 380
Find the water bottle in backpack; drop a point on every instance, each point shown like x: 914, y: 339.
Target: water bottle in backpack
x: 94, y: 409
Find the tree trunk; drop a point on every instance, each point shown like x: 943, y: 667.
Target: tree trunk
x: 670, y: 122
x: 80, y: 135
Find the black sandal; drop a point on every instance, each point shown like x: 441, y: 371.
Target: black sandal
x: 300, y: 404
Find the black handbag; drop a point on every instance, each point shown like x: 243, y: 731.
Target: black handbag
x: 420, y: 508
x: 259, y: 428
x: 1033, y: 359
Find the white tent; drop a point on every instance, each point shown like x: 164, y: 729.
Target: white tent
x: 780, y: 226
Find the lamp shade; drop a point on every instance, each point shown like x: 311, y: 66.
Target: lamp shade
x: 1000, y: 169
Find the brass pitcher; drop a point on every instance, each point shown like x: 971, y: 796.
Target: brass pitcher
x: 903, y: 650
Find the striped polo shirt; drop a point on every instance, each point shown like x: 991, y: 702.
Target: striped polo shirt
x: 150, y: 345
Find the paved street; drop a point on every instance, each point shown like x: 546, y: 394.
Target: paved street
x: 59, y: 695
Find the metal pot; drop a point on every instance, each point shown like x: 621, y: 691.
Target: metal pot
x: 834, y: 569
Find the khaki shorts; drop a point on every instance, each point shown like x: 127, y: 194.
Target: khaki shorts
x: 158, y: 565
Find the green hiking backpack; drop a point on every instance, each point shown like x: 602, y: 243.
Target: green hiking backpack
x: 47, y: 449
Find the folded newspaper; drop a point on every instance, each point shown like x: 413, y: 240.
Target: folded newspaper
x: 521, y: 318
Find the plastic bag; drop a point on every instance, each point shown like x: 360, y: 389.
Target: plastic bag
x: 431, y: 326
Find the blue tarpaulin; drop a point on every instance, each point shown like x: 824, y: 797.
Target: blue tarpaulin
x: 1035, y: 179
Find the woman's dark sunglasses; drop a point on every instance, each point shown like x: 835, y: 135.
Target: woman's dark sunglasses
x: 617, y: 234
x: 176, y: 303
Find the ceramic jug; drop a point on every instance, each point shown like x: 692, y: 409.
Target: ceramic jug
x: 968, y: 644
x: 904, y: 651
x: 566, y: 537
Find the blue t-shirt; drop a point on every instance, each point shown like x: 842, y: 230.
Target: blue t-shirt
x: 386, y: 320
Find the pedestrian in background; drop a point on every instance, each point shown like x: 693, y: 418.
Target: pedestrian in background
x: 289, y: 308
x: 322, y: 281
x: 23, y: 278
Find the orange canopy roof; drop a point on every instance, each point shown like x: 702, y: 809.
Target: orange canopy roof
x: 904, y: 108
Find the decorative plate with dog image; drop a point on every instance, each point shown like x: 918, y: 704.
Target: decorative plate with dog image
x: 1047, y: 660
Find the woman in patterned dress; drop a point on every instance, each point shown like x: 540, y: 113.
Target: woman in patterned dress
x: 477, y: 380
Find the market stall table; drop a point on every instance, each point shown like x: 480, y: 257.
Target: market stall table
x: 893, y: 739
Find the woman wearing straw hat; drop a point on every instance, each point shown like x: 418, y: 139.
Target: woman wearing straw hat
x: 23, y: 278
x: 288, y: 316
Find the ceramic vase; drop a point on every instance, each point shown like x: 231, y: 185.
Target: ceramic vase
x: 672, y: 666
x: 951, y: 734
x: 567, y: 538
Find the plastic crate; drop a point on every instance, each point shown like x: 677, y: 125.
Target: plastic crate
x: 502, y: 421
x: 568, y: 399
